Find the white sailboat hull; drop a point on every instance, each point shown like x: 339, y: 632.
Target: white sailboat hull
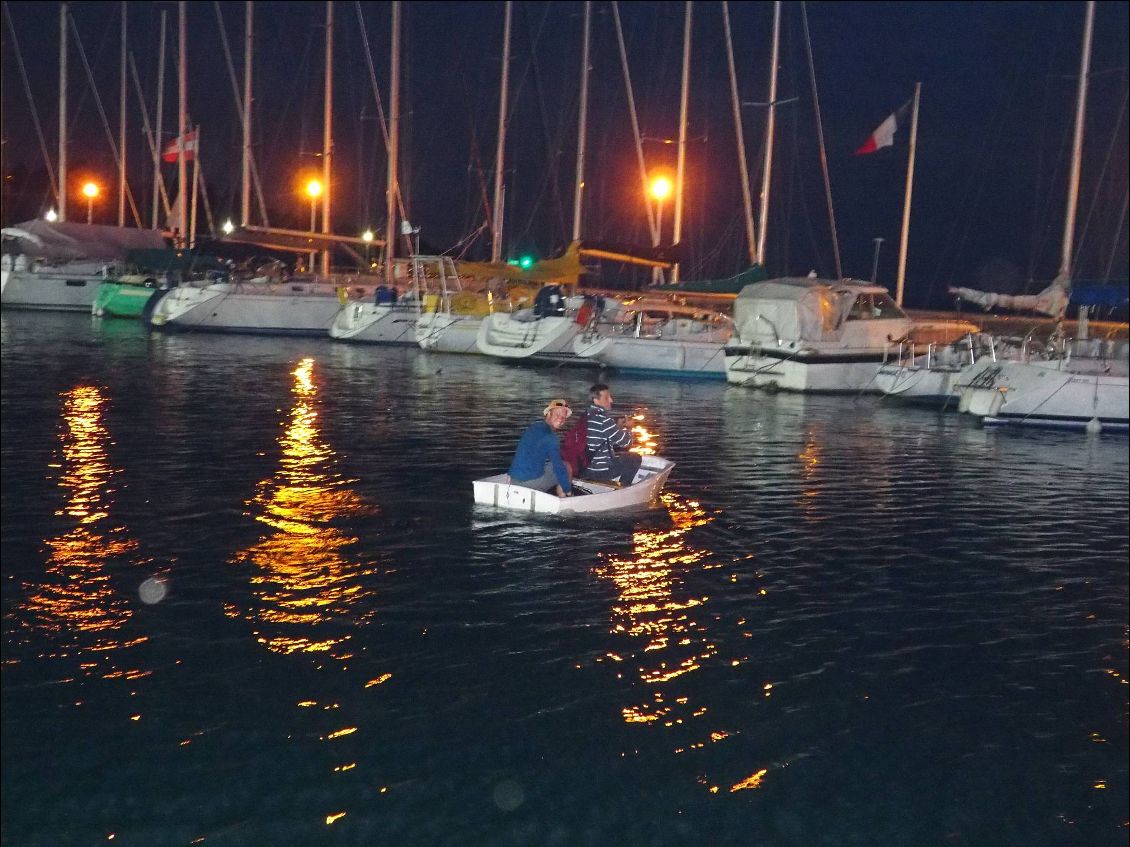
x: 499, y: 491
x: 64, y: 288
x: 373, y: 323
x: 445, y: 333
x: 654, y: 356
x: 542, y: 339
x: 295, y: 308
x: 939, y: 385
x: 1073, y: 395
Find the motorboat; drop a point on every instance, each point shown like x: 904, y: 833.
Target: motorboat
x: 544, y: 332
x: 660, y: 338
x: 809, y: 334
x: 589, y: 496
x: 58, y: 266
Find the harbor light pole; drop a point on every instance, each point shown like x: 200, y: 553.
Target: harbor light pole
x: 90, y: 192
x: 314, y: 190
x: 660, y: 190
x: 367, y: 237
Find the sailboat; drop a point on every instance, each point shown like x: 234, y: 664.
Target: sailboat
x: 58, y: 266
x: 1062, y: 389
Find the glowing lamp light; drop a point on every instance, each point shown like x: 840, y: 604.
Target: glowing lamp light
x: 51, y: 215
x: 526, y: 262
x: 314, y: 188
x: 367, y: 236
x: 90, y: 190
x: 228, y: 227
x: 660, y: 188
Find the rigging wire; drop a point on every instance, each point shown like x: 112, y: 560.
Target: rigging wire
x: 820, y: 135
x: 239, y: 107
x: 31, y: 102
x: 102, y: 114
x: 1075, y: 260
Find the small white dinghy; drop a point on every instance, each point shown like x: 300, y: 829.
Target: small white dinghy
x: 499, y: 491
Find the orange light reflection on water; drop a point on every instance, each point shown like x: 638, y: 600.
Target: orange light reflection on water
x: 76, y: 600
x: 668, y: 639
x: 302, y: 576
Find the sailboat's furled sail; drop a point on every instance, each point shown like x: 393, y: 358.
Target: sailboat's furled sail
x: 1051, y: 301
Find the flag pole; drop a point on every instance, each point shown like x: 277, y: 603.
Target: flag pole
x: 195, y: 187
x: 909, y: 190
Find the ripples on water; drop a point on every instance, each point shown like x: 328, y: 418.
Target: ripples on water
x: 247, y: 600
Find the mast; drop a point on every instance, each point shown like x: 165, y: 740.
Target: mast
x: 122, y: 123
x: 743, y: 168
x: 909, y: 188
x: 770, y: 128
x: 158, y: 142
x: 393, y: 143
x: 327, y: 131
x: 62, y: 112
x: 500, y: 149
x: 682, y: 165
x: 182, y: 119
x: 245, y: 185
x: 1077, y: 148
x: 582, y: 122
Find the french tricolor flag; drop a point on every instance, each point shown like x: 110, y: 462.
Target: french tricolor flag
x: 884, y: 134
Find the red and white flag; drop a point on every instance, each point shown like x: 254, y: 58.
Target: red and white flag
x: 884, y: 134
x: 172, y: 149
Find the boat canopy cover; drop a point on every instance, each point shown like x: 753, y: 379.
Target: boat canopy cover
x: 727, y: 285
x: 167, y: 259
x: 790, y: 309
x: 58, y: 241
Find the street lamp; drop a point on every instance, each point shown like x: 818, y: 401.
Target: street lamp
x: 90, y: 191
x: 51, y: 216
x: 228, y: 227
x: 314, y: 190
x: 367, y: 237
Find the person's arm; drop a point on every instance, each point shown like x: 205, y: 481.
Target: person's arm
x: 622, y: 437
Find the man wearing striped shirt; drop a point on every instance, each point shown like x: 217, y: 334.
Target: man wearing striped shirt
x: 608, y: 441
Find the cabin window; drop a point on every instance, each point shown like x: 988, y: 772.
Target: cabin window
x: 76, y: 283
x: 874, y: 307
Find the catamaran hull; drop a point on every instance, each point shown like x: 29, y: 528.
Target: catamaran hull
x: 223, y: 307
x: 548, y: 339
x: 58, y: 289
x: 370, y: 323
x: 500, y: 492
x: 824, y: 371
x: 654, y: 356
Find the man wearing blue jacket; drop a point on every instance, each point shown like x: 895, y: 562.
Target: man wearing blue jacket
x: 537, y: 461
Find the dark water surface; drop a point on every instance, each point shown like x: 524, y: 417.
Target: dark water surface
x: 247, y: 601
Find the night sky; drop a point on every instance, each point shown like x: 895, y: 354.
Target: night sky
x: 993, y: 147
